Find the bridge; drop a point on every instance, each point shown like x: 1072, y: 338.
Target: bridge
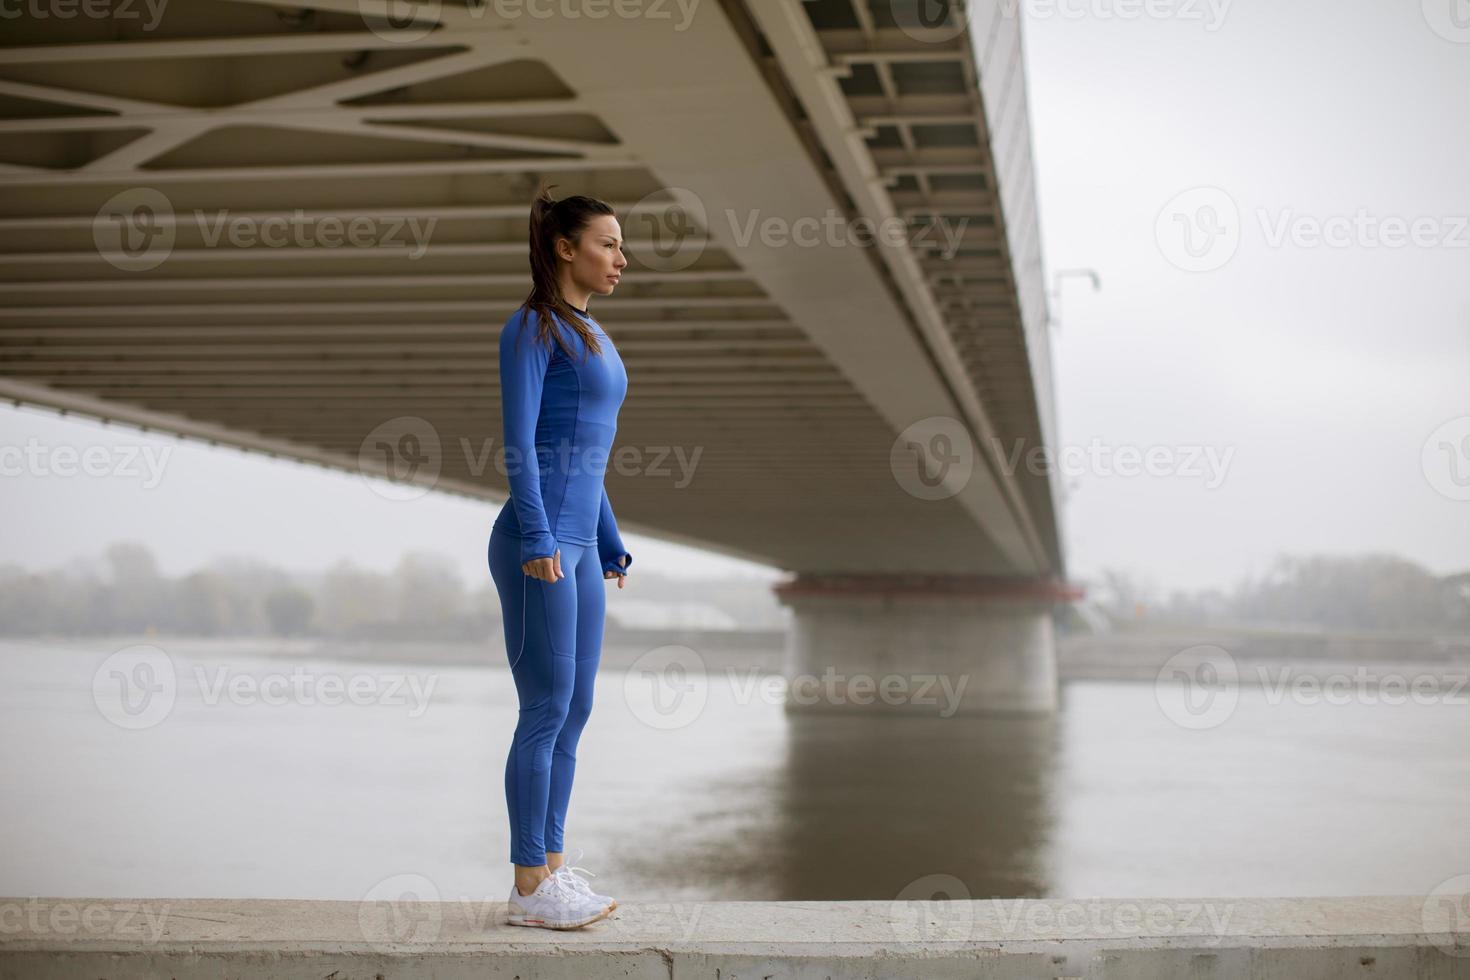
x: 296, y: 229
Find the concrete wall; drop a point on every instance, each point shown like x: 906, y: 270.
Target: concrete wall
x: 1143, y: 939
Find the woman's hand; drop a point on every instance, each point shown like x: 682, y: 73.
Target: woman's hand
x: 546, y: 569
x: 622, y: 577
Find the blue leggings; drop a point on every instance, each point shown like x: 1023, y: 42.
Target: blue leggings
x: 553, y: 641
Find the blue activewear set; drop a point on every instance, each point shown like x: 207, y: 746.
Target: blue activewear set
x: 560, y: 414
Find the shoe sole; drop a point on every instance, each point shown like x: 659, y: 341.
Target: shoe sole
x: 528, y: 920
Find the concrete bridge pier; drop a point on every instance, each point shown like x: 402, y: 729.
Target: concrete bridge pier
x: 925, y: 644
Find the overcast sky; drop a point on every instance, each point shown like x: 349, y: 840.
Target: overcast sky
x: 1232, y: 171
x: 1325, y: 368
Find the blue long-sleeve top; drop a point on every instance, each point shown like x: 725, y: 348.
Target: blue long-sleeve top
x: 560, y: 415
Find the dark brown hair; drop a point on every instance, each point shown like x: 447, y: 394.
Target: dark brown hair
x: 550, y: 220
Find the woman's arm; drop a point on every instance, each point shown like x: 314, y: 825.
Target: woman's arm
x: 610, y: 550
x: 523, y: 362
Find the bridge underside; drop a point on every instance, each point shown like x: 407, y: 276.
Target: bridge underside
x: 768, y: 379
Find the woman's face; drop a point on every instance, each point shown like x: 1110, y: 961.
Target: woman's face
x: 596, y: 262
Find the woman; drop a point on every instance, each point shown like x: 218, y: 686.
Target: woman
x: 555, y: 540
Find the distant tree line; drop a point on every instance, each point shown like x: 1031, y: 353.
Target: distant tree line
x: 421, y: 598
x: 1354, y: 592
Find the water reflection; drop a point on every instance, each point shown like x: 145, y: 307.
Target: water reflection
x: 838, y: 806
x: 869, y: 805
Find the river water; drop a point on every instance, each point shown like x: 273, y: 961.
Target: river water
x: 252, y: 784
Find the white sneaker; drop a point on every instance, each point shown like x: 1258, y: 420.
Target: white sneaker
x: 553, y: 905
x: 570, y: 869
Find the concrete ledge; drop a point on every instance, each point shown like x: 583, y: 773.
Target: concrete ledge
x: 1290, y: 938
